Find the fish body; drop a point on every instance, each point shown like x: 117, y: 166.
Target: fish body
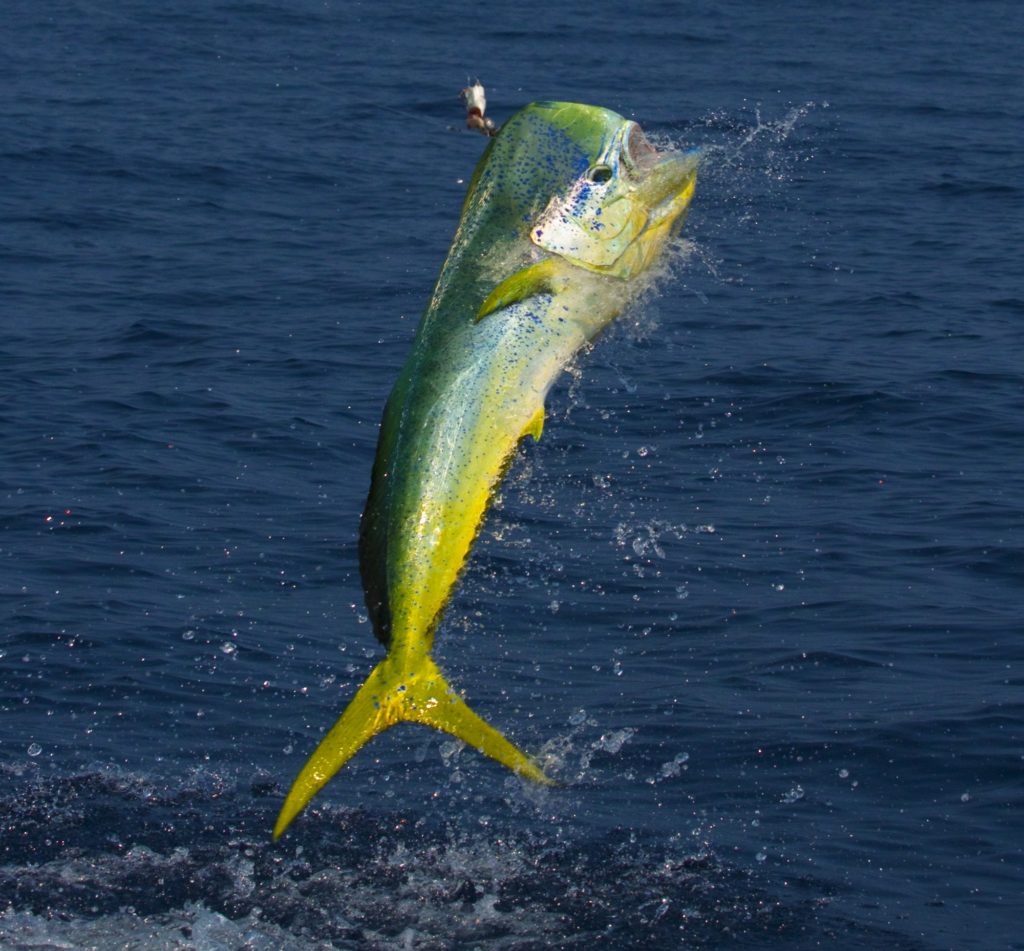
x: 566, y: 213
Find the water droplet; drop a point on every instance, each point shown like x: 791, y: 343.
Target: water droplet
x: 779, y: 587
x: 578, y: 718
x: 669, y: 771
x: 965, y: 797
x: 761, y: 856
x: 844, y: 773
x: 34, y: 749
x: 188, y: 635
x: 613, y: 742
x: 228, y: 648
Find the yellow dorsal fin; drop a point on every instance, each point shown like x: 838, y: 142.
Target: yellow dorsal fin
x: 390, y: 695
x: 544, y: 277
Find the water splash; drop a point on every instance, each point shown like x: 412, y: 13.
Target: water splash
x: 191, y: 865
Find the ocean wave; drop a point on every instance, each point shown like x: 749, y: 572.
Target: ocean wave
x: 103, y: 860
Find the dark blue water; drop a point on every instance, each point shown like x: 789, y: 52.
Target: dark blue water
x: 755, y: 598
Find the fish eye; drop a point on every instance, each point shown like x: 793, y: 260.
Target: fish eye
x: 599, y: 173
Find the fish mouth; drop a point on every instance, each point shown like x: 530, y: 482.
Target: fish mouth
x: 664, y: 189
x: 665, y: 192
x: 665, y: 179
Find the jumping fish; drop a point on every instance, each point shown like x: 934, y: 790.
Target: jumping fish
x: 568, y: 210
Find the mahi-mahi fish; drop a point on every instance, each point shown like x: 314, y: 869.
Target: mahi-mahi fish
x: 567, y: 212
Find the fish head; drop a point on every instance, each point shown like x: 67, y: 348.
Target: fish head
x: 624, y: 200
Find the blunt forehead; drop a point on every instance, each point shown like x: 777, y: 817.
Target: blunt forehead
x: 589, y: 128
x: 544, y: 147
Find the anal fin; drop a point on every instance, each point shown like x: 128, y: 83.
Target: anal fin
x: 535, y: 426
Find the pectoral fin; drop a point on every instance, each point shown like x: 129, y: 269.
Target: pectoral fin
x: 544, y: 277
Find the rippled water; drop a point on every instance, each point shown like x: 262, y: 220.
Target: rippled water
x: 754, y: 598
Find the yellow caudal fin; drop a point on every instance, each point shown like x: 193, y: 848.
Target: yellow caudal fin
x: 389, y: 696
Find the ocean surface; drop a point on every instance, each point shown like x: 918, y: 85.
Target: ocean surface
x: 755, y: 598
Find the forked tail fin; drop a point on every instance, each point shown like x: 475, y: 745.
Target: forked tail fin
x: 389, y: 696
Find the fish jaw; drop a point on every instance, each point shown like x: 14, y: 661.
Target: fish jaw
x: 668, y: 196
